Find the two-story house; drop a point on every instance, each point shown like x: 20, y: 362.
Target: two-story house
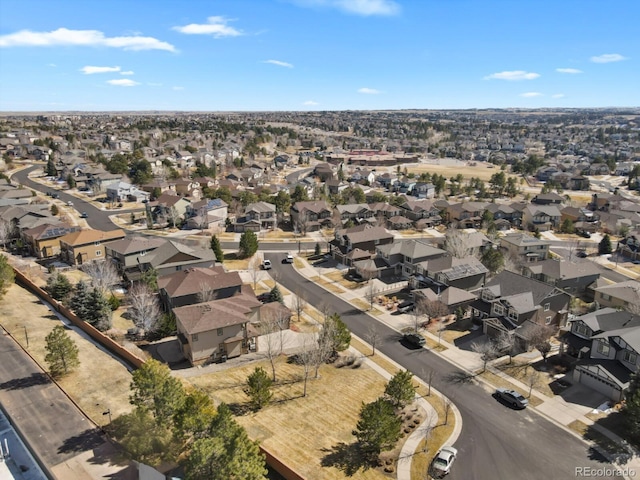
x: 525, y: 247
x: 466, y: 273
x: 467, y: 214
x: 541, y: 217
x: 571, y: 277
x: 583, y: 219
x: 619, y: 295
x: 80, y: 247
x: 356, y: 213
x: 505, y: 216
x: 403, y: 256
x: 422, y: 212
x: 127, y: 254
x: 514, y: 304
x: 125, y: 192
x: 362, y: 237
x: 310, y: 216
x: 257, y: 216
x: 207, y: 213
x: 607, y: 345
x: 197, y: 285
x: 43, y: 241
x: 168, y: 207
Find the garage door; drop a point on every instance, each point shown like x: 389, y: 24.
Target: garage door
x: 597, y: 383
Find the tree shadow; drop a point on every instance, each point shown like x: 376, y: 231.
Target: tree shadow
x: 605, y: 449
x: 25, y: 382
x: 87, y: 440
x: 348, y: 458
x: 459, y: 378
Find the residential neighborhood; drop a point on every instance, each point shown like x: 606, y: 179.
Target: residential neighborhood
x: 486, y: 246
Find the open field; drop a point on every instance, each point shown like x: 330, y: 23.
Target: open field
x: 296, y: 427
x: 100, y: 383
x: 451, y: 168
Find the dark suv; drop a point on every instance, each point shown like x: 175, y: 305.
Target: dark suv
x: 414, y: 339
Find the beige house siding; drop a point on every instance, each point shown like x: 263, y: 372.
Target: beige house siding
x: 205, y: 345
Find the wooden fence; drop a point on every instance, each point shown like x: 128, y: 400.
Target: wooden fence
x: 284, y: 470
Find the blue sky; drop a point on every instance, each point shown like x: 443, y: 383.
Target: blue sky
x: 230, y: 55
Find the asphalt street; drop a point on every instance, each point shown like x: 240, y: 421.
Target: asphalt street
x: 51, y: 424
x: 496, y: 442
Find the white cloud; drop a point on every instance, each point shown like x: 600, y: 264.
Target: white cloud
x: 557, y: 95
x: 369, y: 91
x: 177, y: 88
x: 123, y: 82
x: 216, y: 26
x: 81, y: 38
x: 53, y: 65
x: 89, y: 70
x: 531, y: 94
x: 279, y: 63
x: 310, y: 103
x: 571, y: 71
x: 513, y: 75
x: 608, y: 58
x: 358, y: 7
x: 128, y: 72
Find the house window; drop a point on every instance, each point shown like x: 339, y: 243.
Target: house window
x: 603, y: 347
x: 220, y: 331
x: 547, y: 306
x: 513, y: 315
x: 630, y: 357
x: 581, y: 329
x: 96, y: 244
x: 498, y: 309
x: 194, y: 337
x: 548, y: 319
x: 178, y: 268
x: 606, y: 297
x: 98, y: 253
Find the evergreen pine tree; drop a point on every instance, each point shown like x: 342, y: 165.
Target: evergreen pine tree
x: 81, y: 300
x: 217, y: 249
x: 276, y: 295
x: 604, y: 247
x: 58, y: 286
x: 99, y: 314
x: 62, y: 352
x: 51, y: 168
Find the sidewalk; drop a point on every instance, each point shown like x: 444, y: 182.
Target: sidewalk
x: 555, y: 409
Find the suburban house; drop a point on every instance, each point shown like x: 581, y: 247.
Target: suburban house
x: 399, y: 223
x: 310, y: 216
x: 619, y: 295
x: 525, y: 248
x: 207, y: 213
x: 22, y: 217
x: 451, y: 297
x: 197, y: 285
x: 548, y: 199
x: 257, y: 216
x: 125, y: 192
x: 383, y: 211
x: 403, y: 256
x: 571, y: 277
x: 583, y: 219
x: 217, y: 329
x: 505, y: 213
x: 541, y: 217
x: 43, y: 241
x: 630, y: 245
x: 168, y: 207
x: 467, y: 214
x: 188, y: 188
x: 127, y: 254
x: 514, y: 304
x: 83, y: 246
x: 363, y: 237
x: 607, y: 345
x: 357, y: 213
x: 466, y: 273
x: 423, y: 212
x: 424, y: 190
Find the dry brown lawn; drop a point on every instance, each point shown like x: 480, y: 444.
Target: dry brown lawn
x: 480, y: 171
x: 365, y: 306
x: 303, y: 430
x: 100, y: 382
x: 522, y: 372
x: 338, y: 277
x: 451, y: 336
x: 331, y: 286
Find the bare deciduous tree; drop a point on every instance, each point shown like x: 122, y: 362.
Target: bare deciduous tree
x: 145, y: 308
x: 456, y: 243
x: 308, y: 358
x: 299, y: 303
x: 434, y: 309
x: 102, y: 273
x: 254, y: 270
x: 447, y: 405
x: 205, y: 293
x: 373, y: 337
x: 511, y: 264
x: 269, y: 328
x: 6, y: 232
x: 506, y: 345
x: 539, y: 339
x: 429, y: 376
x: 487, y: 351
x: 371, y: 294
x: 532, y: 379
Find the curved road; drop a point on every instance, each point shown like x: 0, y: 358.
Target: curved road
x: 496, y: 442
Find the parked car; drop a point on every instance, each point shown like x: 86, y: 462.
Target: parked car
x: 585, y: 234
x: 70, y: 203
x: 55, y: 195
x: 512, y: 398
x: 266, y: 264
x: 406, y: 306
x: 84, y: 215
x: 414, y: 339
x: 441, y: 464
x: 288, y: 258
x: 581, y: 254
